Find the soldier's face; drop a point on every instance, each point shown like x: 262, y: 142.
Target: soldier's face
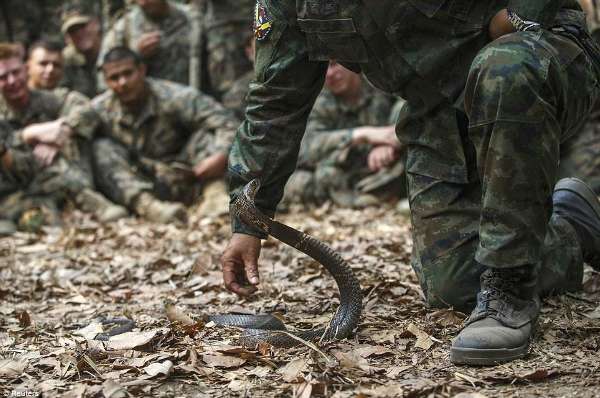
x: 152, y: 7
x: 126, y: 79
x: 85, y: 37
x: 45, y: 68
x: 13, y: 79
x: 340, y: 80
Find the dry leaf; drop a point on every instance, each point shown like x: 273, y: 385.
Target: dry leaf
x: 174, y: 314
x: 423, y: 340
x: 223, y: 361
x: 159, y: 368
x: 12, y: 368
x: 112, y: 389
x: 131, y: 340
x: 373, y: 350
x: 352, y: 360
x: 292, y: 371
x: 90, y: 331
x: 240, y: 385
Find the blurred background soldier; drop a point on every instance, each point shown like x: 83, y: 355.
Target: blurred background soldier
x: 45, y: 65
x: 235, y: 97
x: 227, y: 24
x: 159, y: 31
x: 83, y: 36
x: 349, y: 137
x: 580, y: 155
x: 51, y: 127
x: 159, y: 139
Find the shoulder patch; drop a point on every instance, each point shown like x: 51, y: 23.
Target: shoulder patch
x: 262, y: 22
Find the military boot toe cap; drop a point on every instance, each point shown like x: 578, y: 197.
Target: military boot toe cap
x: 113, y: 213
x: 489, y: 342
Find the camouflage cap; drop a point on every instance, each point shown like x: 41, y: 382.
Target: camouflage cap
x: 73, y: 18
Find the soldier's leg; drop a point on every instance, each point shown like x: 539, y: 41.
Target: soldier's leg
x: 116, y: 174
x: 526, y: 92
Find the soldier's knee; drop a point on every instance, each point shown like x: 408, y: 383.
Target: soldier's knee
x: 506, y: 79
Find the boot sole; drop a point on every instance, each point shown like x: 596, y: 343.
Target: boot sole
x: 474, y: 356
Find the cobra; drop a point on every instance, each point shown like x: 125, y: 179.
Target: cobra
x: 265, y: 328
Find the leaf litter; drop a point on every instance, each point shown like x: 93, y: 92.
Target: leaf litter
x: 56, y: 285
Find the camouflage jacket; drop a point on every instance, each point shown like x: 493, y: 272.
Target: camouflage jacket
x: 330, y: 124
x: 172, y: 115
x: 22, y: 169
x: 171, y: 60
x: 79, y: 74
x: 45, y: 106
x: 420, y: 50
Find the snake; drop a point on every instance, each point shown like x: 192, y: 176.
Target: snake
x: 266, y: 328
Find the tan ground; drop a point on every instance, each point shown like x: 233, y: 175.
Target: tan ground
x: 55, y: 284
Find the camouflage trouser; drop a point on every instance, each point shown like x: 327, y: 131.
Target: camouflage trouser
x: 580, y: 156
x: 50, y: 187
x: 526, y: 92
x: 338, y: 177
x: 122, y: 178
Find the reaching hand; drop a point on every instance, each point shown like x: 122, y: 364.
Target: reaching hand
x: 385, y: 135
x: 45, y: 154
x: 55, y: 133
x: 148, y: 44
x: 212, y: 166
x: 380, y: 157
x: 240, y: 264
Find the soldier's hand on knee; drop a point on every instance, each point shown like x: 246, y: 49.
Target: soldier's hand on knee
x: 380, y: 157
x: 148, y: 43
x: 240, y: 264
x: 45, y: 154
x: 500, y: 25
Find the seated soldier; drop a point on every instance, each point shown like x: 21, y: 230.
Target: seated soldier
x: 160, y: 32
x: 42, y: 123
x: 158, y: 139
x: 235, y: 97
x: 44, y: 65
x: 349, y: 137
x: 83, y: 36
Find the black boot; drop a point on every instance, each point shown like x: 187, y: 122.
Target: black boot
x: 501, y: 324
x: 575, y: 201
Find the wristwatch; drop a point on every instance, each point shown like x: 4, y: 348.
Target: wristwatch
x: 521, y: 24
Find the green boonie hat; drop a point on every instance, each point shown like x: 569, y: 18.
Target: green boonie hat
x: 73, y: 18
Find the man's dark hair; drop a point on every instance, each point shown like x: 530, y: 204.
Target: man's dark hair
x: 48, y: 45
x: 121, y: 53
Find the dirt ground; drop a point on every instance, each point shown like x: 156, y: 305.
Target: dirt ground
x: 56, y: 286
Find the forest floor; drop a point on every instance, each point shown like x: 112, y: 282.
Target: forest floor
x: 55, y: 286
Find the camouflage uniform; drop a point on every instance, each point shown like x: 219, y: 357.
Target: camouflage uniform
x: 172, y: 58
x: 328, y: 166
x: 79, y: 74
x: 483, y: 131
x: 177, y: 126
x: 235, y: 98
x: 228, y: 26
x: 26, y: 21
x: 69, y: 173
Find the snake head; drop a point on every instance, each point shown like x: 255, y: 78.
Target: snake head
x: 245, y: 209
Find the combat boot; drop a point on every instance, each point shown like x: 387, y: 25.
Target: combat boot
x: 94, y: 202
x: 576, y: 202
x: 155, y: 210
x: 500, y: 326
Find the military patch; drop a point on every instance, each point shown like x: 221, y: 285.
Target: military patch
x: 262, y: 22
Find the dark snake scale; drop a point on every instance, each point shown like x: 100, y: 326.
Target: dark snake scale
x: 265, y: 328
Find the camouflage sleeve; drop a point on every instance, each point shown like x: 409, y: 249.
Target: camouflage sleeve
x: 22, y: 165
x: 541, y: 11
x: 202, y: 114
x: 113, y: 38
x: 79, y: 115
x: 279, y: 102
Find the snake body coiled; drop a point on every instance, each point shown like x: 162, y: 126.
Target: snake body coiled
x: 266, y: 328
